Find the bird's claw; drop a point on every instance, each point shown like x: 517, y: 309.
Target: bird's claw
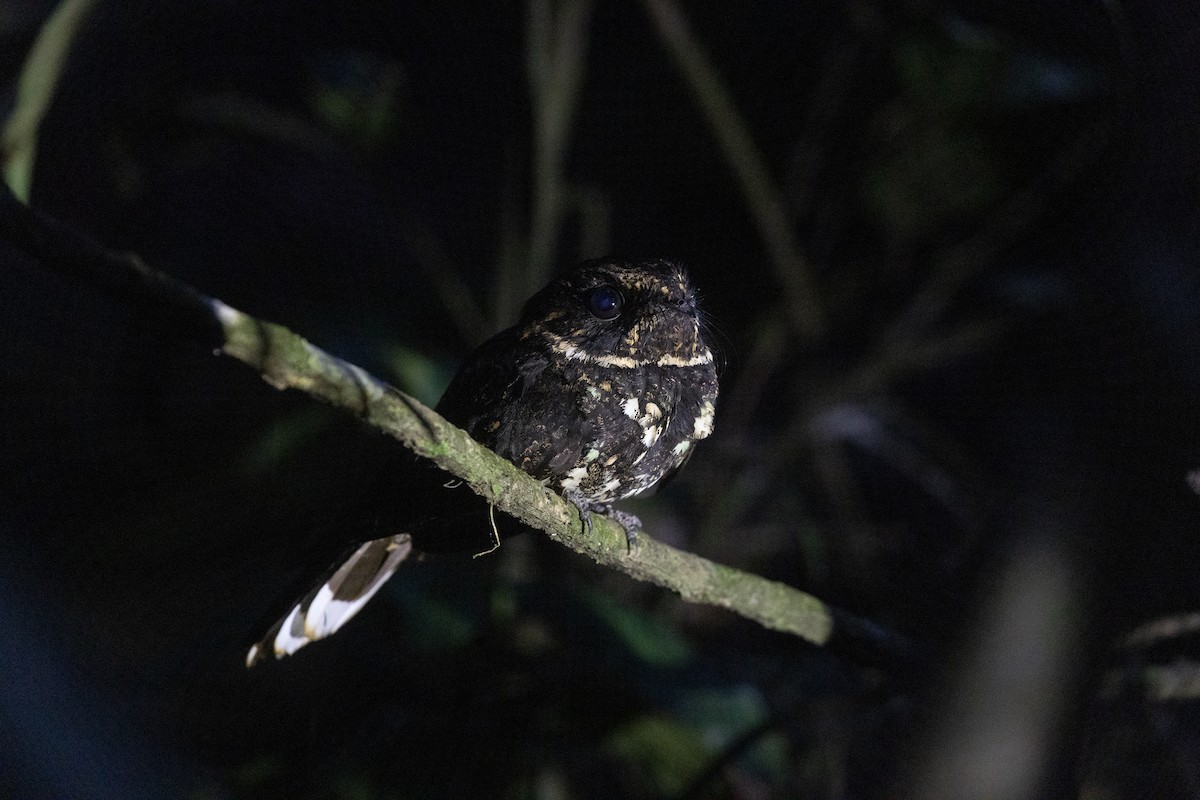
x: 630, y: 523
x: 584, y: 507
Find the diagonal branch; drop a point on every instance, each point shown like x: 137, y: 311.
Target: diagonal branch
x: 287, y: 361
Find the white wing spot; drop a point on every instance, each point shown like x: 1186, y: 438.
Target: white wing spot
x: 704, y: 422
x: 631, y: 408
x: 571, y: 482
x: 651, y: 434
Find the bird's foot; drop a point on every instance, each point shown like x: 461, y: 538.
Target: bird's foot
x: 630, y: 523
x: 584, y: 507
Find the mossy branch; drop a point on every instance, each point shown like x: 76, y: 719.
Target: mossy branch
x: 287, y: 361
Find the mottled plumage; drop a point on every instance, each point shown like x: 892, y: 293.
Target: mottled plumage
x: 600, y: 408
x: 601, y: 389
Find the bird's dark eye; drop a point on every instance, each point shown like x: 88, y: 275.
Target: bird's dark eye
x: 604, y: 302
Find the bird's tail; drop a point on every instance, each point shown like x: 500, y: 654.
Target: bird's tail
x: 329, y: 605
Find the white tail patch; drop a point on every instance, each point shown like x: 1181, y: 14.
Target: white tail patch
x: 334, y: 602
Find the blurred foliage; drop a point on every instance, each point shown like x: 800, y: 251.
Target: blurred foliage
x: 361, y: 97
x: 282, y: 438
x: 996, y: 217
x: 936, y: 163
x: 668, y: 752
x: 418, y: 374
x: 651, y: 641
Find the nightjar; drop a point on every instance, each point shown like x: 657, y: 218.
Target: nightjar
x: 601, y: 390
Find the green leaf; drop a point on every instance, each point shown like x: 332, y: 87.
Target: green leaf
x: 650, y: 639
x: 417, y: 374
x: 282, y: 438
x: 668, y: 753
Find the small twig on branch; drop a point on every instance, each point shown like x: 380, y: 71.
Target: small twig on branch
x: 287, y: 361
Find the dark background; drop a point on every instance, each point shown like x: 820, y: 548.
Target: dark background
x: 978, y: 438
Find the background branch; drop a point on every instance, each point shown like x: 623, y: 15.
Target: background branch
x: 35, y: 90
x: 762, y: 197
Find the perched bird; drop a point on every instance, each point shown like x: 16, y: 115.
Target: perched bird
x: 601, y: 390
